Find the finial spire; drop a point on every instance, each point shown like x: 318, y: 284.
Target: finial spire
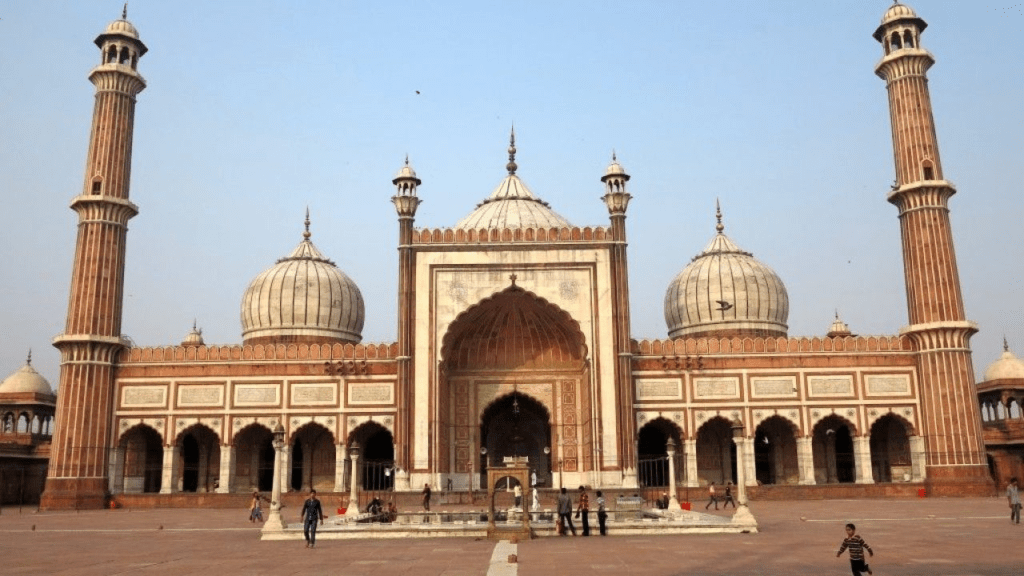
x: 511, y: 166
x: 406, y: 158
x: 1006, y: 346
x: 614, y: 159
x: 29, y: 361
x: 306, y: 234
x: 124, y: 12
x: 718, y: 215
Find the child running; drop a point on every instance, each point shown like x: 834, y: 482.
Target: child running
x: 857, y: 545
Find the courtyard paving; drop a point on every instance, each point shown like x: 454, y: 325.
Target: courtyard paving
x: 910, y: 537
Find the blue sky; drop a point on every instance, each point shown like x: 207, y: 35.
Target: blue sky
x: 256, y: 110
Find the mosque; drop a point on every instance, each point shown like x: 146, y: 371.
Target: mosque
x: 514, y: 341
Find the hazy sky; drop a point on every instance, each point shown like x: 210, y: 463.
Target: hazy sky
x: 257, y: 109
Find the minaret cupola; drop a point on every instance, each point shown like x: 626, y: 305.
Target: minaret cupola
x: 615, y: 195
x: 900, y: 29
x: 405, y: 199
x: 120, y: 43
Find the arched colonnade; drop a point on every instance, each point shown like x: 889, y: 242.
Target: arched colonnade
x: 197, y: 461
x: 777, y: 453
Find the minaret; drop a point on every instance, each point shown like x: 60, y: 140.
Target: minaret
x: 616, y: 198
x: 956, y: 462
x: 406, y: 202
x: 77, y: 476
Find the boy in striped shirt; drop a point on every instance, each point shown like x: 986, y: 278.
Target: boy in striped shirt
x: 857, y: 545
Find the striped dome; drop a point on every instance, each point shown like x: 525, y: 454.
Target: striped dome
x: 725, y: 291
x: 302, y: 298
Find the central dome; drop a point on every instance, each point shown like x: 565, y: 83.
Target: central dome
x: 725, y: 291
x: 302, y: 298
x: 512, y: 205
x: 1007, y: 367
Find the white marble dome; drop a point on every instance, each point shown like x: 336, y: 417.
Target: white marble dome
x: 1007, y: 366
x: 26, y: 380
x: 302, y: 298
x: 898, y: 12
x: 725, y: 291
x: 512, y: 205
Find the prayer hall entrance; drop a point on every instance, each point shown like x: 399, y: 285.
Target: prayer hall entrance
x: 513, y: 381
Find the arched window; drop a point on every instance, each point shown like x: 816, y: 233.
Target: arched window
x: 36, y: 424
x: 124, y: 55
x: 22, y: 423
x: 908, y: 39
x: 111, y: 54
x: 928, y: 170
x: 1000, y: 411
x: 97, y: 186
x: 8, y: 423
x: 895, y: 41
x: 1014, y: 409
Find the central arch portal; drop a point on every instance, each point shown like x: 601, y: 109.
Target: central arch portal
x: 513, y: 381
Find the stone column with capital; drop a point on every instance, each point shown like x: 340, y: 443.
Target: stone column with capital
x: 749, y: 467
x: 742, y: 516
x: 673, y: 500
x: 862, y: 459
x: 353, y: 496
x: 275, y: 523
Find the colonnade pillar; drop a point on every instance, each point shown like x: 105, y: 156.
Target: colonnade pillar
x: 862, y: 459
x: 168, y: 482
x: 339, y: 468
x: 227, y: 469
x: 690, y: 447
x: 805, y: 460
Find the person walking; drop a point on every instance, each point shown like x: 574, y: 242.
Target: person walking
x: 727, y: 498
x: 857, y: 545
x: 602, y: 515
x: 583, y: 510
x: 311, y: 513
x: 712, y: 499
x: 1013, y: 499
x: 255, y: 511
x: 426, y: 497
x: 565, y: 513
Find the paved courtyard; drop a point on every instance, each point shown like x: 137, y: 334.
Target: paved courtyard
x: 910, y: 537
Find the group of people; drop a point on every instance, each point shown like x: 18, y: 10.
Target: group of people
x: 726, y: 498
x: 565, y: 507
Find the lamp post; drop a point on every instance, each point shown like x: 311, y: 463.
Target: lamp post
x: 742, y: 514
x: 353, y: 497
x: 673, y: 501
x: 274, y: 521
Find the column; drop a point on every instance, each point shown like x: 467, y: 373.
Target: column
x: 203, y: 484
x: 169, y: 480
x: 116, y: 470
x: 286, y: 452
x: 749, y: 470
x: 742, y: 514
x: 306, y: 482
x: 227, y: 469
x: 691, y: 463
x: 353, y: 495
x: 805, y: 460
x: 862, y: 459
x: 917, y: 459
x: 673, y: 502
x: 339, y: 468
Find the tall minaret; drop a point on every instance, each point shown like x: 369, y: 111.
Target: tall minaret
x: 406, y: 201
x: 77, y: 476
x: 616, y: 198
x: 955, y: 452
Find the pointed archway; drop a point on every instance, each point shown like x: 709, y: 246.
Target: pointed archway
x: 775, y: 452
x: 513, y: 345
x: 833, y: 451
x: 516, y: 426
